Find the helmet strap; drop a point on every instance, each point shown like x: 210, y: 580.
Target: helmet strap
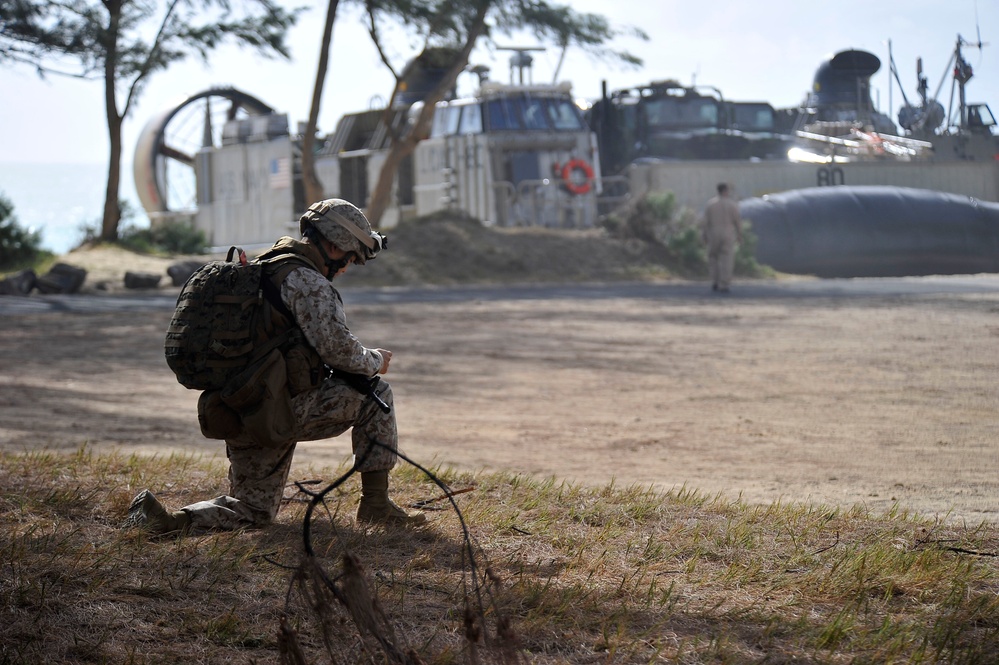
x: 333, y: 266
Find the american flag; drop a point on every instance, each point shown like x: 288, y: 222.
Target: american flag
x: 280, y: 173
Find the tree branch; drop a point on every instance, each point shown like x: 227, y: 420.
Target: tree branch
x: 151, y: 56
x: 376, y: 39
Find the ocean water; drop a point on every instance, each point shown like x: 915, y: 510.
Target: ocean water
x: 60, y: 200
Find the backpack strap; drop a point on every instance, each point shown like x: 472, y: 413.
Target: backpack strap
x: 282, y: 265
x: 276, y: 269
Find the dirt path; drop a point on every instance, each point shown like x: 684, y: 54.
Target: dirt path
x: 875, y: 401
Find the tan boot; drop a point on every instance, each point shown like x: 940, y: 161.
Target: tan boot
x: 377, y: 508
x: 146, y: 512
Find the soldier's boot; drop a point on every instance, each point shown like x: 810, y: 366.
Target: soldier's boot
x: 377, y: 508
x: 146, y: 512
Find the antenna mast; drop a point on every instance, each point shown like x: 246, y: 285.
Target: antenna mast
x: 962, y: 74
x: 521, y: 60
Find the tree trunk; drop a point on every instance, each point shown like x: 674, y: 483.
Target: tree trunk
x: 112, y: 210
x: 402, y: 147
x: 381, y: 195
x: 313, y: 187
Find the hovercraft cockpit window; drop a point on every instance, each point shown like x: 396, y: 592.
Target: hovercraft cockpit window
x: 533, y: 114
x: 451, y: 119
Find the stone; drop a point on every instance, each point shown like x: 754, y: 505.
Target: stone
x: 61, y: 278
x: 142, y: 280
x: 19, y: 284
x: 180, y: 271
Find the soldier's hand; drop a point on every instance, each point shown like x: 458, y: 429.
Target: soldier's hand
x: 386, y: 358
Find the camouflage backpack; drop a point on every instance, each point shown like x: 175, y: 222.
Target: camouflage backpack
x: 222, y: 322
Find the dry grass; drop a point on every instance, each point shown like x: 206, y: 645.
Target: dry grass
x: 565, y: 574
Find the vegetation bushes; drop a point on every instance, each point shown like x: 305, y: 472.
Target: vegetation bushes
x: 165, y: 238
x: 19, y: 247
x: 658, y: 219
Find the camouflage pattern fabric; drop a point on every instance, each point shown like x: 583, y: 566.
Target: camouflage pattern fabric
x: 257, y: 474
x: 257, y: 477
x: 332, y: 408
x: 318, y: 311
x: 211, y: 334
x: 329, y: 410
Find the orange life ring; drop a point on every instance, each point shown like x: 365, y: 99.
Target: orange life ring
x: 574, y: 185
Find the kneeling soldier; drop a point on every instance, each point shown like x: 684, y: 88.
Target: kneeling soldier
x: 323, y: 371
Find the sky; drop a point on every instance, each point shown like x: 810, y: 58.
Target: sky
x: 751, y: 51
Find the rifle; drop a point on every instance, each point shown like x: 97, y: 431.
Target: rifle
x: 363, y: 384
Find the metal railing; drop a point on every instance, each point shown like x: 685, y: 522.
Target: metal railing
x: 615, y: 192
x: 543, y: 203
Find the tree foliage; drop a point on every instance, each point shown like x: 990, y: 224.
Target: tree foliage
x: 74, y: 37
x: 454, y: 27
x: 124, y: 42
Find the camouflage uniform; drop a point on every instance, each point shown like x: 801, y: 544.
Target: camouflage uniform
x: 258, y: 474
x: 721, y: 233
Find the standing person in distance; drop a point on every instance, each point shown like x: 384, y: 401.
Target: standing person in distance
x: 722, y: 232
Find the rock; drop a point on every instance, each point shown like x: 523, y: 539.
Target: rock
x: 19, y: 284
x: 180, y: 271
x: 61, y: 278
x: 142, y: 280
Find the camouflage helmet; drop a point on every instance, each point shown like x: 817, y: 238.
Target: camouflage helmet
x: 344, y: 225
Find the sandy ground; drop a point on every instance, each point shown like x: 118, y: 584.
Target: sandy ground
x: 873, y: 401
